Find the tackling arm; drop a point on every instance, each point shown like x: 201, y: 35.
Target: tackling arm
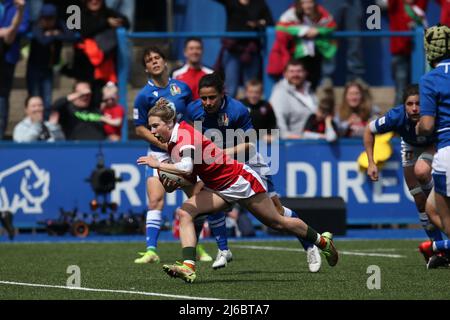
x: 369, y: 141
x: 426, y: 126
x: 238, y: 149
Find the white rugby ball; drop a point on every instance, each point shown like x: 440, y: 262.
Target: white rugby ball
x: 182, y: 180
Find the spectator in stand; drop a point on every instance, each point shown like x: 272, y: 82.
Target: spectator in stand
x: 348, y: 16
x: 355, y: 110
x: 77, y: 119
x: 193, y: 70
x: 125, y: 7
x: 261, y: 112
x: 404, y: 15
x: 94, y: 56
x: 241, y: 58
x: 321, y: 125
x: 48, y: 35
x: 33, y: 127
x: 300, y: 35
x: 293, y: 100
x: 13, y: 24
x: 113, y: 113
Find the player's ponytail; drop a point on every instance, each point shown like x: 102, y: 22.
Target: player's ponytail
x: 215, y: 80
x: 163, y: 110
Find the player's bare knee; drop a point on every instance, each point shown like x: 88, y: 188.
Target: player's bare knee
x: 185, y: 212
x: 422, y: 173
x: 156, y: 203
x: 278, y: 205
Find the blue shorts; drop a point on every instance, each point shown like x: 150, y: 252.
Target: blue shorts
x: 270, y: 186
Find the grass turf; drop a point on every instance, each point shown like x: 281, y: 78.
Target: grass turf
x: 254, y: 274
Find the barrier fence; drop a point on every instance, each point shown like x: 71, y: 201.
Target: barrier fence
x: 38, y: 179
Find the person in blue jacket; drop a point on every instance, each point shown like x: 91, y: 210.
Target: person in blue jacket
x: 13, y: 24
x: 47, y: 37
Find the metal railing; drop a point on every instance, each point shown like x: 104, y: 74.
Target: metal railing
x: 268, y: 37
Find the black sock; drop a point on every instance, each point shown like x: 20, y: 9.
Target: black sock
x: 189, y: 253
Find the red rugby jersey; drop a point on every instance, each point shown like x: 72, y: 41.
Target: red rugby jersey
x: 216, y: 169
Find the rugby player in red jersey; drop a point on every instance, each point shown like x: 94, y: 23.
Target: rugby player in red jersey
x: 226, y: 181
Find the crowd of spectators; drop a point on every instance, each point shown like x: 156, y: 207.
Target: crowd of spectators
x: 302, y: 61
x: 91, y: 111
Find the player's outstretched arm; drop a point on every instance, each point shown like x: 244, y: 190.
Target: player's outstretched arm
x: 369, y: 141
x: 185, y: 166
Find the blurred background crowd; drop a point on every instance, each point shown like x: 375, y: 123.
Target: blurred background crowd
x: 61, y: 84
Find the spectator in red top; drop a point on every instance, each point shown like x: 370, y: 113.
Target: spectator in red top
x: 445, y: 11
x: 404, y: 15
x: 193, y: 70
x: 113, y: 113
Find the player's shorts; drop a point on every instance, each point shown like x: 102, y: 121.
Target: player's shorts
x: 441, y: 171
x: 247, y: 185
x: 267, y: 178
x: 270, y: 186
x: 161, y: 156
x: 410, y: 154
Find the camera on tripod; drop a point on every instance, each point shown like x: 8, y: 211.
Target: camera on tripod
x: 103, y: 181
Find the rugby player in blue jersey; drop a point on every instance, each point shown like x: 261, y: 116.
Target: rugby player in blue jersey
x: 159, y: 85
x: 217, y: 113
x: 417, y: 155
x: 435, y: 121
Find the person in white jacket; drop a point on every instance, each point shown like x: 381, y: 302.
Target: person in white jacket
x: 293, y: 101
x: 33, y: 128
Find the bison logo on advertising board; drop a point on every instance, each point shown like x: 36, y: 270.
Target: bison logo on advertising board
x: 24, y: 187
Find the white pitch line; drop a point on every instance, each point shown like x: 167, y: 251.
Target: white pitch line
x: 368, y: 254
x: 105, y: 290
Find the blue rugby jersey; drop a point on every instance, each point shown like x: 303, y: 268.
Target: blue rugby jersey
x: 435, y: 100
x: 176, y: 92
x: 231, y: 115
x: 397, y: 120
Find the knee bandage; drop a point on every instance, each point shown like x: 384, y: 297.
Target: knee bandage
x: 425, y: 156
x: 427, y: 187
x: 415, y: 191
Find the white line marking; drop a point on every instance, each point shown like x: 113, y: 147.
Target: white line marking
x: 368, y: 254
x: 105, y: 290
x: 378, y: 250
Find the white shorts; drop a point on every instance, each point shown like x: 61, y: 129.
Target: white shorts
x: 161, y: 156
x: 441, y: 171
x: 247, y: 185
x: 410, y: 154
